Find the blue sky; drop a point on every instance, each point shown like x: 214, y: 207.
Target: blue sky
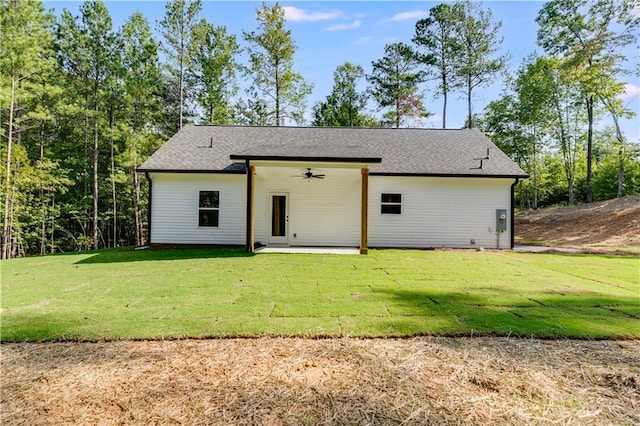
x: 328, y: 33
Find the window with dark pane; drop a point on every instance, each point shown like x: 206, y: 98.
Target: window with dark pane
x: 210, y: 199
x: 209, y: 208
x: 391, y: 204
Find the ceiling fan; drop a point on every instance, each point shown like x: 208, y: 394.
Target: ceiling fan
x: 309, y: 175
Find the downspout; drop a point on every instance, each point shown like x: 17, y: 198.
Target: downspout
x: 149, y: 207
x: 513, y: 214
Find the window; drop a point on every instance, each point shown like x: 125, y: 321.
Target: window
x: 391, y: 204
x: 209, y: 208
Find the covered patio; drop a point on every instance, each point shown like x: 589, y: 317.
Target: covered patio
x: 271, y: 173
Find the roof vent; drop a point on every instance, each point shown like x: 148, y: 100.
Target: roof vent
x: 481, y: 161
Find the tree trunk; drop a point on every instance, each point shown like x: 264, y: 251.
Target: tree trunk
x: 53, y: 222
x: 277, y: 95
x: 620, y: 191
x: 620, y: 138
x: 85, y: 174
x: 7, y: 179
x: 469, y: 112
x: 136, y: 206
x: 570, y: 189
x: 535, y: 173
x: 181, y: 72
x: 94, y: 220
x: 589, y: 194
x: 43, y: 233
x: 444, y: 109
x: 113, y: 197
x: 113, y: 178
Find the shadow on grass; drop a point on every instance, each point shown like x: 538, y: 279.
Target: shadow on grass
x: 410, y: 313
x: 575, y: 316
x: 130, y: 255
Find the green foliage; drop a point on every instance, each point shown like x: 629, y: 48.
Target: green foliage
x: 83, y: 104
x: 615, y: 163
x: 588, y: 37
x: 439, y: 48
x: 177, y: 30
x: 142, y: 74
x: 27, y: 96
x: 212, y: 76
x: 477, y: 64
x: 344, y: 106
x: 394, y: 83
x: 114, y: 294
x: 276, y: 86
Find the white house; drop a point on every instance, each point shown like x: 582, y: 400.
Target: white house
x: 340, y: 187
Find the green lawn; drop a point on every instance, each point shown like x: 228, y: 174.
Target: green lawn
x: 115, y: 294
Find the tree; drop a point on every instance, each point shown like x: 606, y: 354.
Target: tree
x: 177, y: 29
x: 142, y: 87
x: 477, y: 66
x: 394, y: 84
x: 588, y: 37
x: 521, y: 121
x: 439, y: 48
x: 610, y: 157
x: 89, y: 55
x: 271, y: 51
x: 533, y: 86
x: 213, y: 72
x: 344, y: 106
x: 26, y: 59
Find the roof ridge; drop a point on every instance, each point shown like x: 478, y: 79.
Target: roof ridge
x: 258, y: 126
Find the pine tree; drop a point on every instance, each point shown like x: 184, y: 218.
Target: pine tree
x: 271, y: 48
x: 439, y: 48
x: 344, y: 106
x: 177, y: 30
x: 588, y: 37
x: 25, y: 42
x: 213, y: 72
x: 394, y: 84
x: 477, y: 64
x: 88, y: 53
x: 143, y: 105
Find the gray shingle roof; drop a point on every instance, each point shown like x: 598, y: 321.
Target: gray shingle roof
x: 396, y: 151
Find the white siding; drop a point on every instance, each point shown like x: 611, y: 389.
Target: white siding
x: 440, y: 212
x: 174, y: 215
x: 322, y: 212
x: 436, y: 212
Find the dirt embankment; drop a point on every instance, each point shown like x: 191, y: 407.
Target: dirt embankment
x: 611, y: 224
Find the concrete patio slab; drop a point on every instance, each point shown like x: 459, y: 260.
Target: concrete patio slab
x: 309, y: 250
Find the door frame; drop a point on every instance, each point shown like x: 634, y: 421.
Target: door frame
x: 278, y: 240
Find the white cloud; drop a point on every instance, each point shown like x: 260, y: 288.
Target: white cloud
x: 376, y: 40
x: 631, y: 91
x: 363, y: 40
x: 341, y: 27
x: 412, y: 15
x: 294, y: 14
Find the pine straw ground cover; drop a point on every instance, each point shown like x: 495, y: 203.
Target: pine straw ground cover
x: 278, y: 381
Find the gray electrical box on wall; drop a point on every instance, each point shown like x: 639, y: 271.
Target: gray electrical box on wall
x: 501, y: 220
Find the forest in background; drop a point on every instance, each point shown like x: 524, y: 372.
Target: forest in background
x: 83, y: 104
